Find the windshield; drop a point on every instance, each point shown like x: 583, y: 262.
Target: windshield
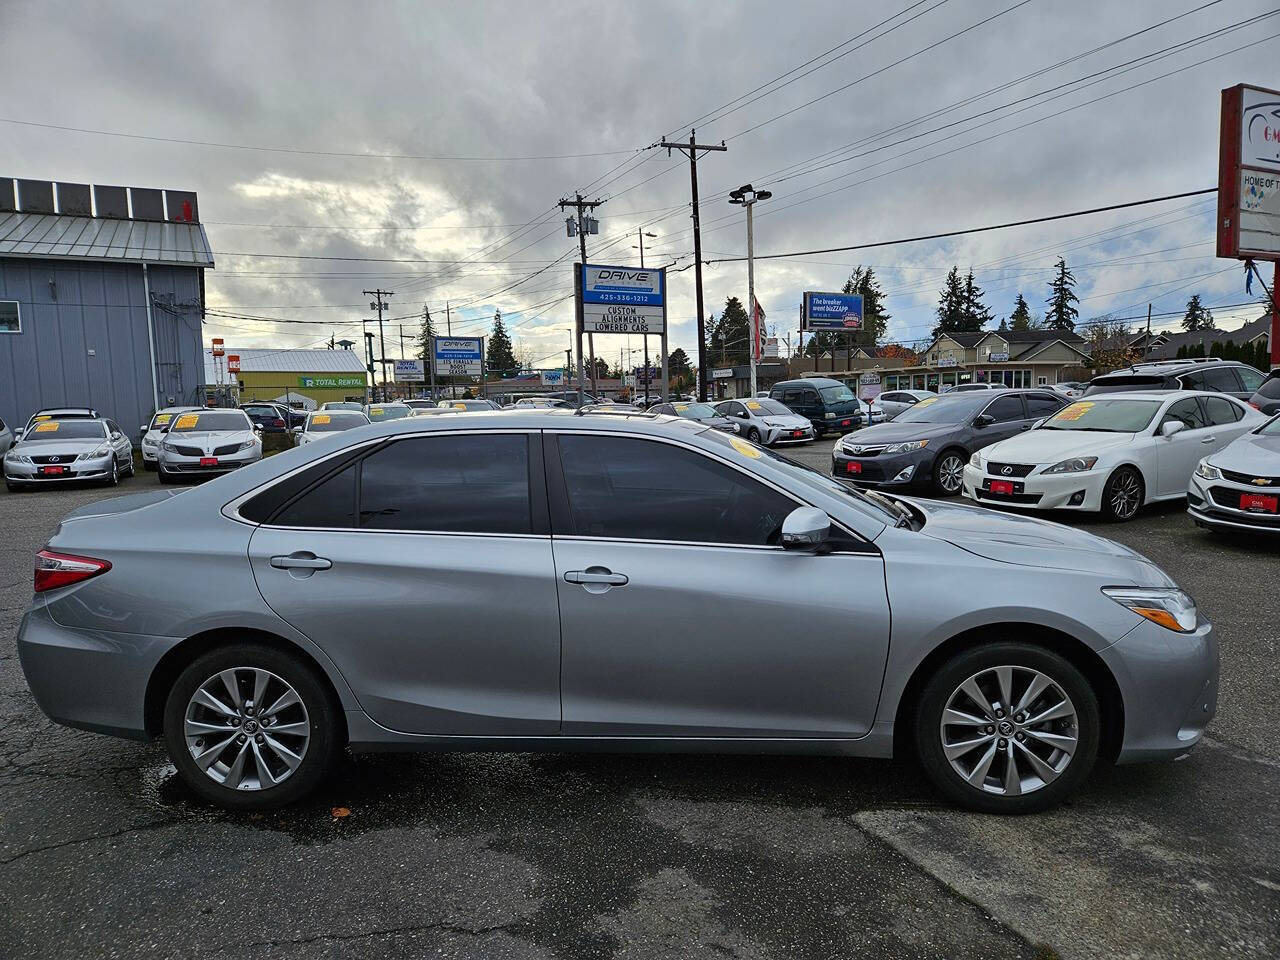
x: 161, y: 420
x: 211, y: 420
x: 696, y: 411
x: 956, y: 408
x: 389, y: 412
x: 67, y: 430
x: 329, y: 422
x: 1104, y: 416
x: 343, y: 405
x: 767, y: 408
x: 836, y: 393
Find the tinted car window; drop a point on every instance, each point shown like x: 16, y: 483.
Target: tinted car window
x: 1042, y: 405
x: 666, y: 408
x: 330, y: 504
x: 1188, y: 411
x: 1125, y: 382
x: 464, y: 484
x: 1222, y: 379
x: 791, y: 397
x: 1222, y: 411
x: 1251, y: 378
x: 632, y: 489
x: 1005, y: 409
x: 1270, y: 389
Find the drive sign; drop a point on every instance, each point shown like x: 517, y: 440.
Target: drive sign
x: 623, y: 300
x: 459, y: 356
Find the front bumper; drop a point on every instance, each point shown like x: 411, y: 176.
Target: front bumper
x: 1215, y: 503
x: 1169, y: 684
x: 842, y: 423
x: 1065, y: 491
x: 883, y: 470
x: 778, y: 436
x: 191, y: 466
x: 99, y: 469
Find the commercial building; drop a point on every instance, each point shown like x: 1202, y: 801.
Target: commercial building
x: 101, y: 299
x: 299, y: 378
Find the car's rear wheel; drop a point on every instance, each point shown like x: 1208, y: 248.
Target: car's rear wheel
x: 1007, y: 728
x: 948, y: 473
x: 1123, y: 495
x: 251, y: 727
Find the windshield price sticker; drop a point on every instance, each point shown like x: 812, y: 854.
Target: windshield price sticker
x: 320, y: 418
x: 47, y: 427
x: 1074, y: 412
x: 187, y: 421
x: 163, y: 418
x: 682, y: 406
x: 459, y: 406
x: 752, y: 405
x: 926, y: 401
x: 744, y: 448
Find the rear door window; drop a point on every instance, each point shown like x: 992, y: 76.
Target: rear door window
x: 1222, y: 411
x: 1221, y: 379
x: 1186, y: 411
x: 1005, y: 409
x: 1042, y: 405
x: 1251, y: 378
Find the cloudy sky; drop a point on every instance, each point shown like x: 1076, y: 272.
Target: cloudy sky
x: 422, y: 146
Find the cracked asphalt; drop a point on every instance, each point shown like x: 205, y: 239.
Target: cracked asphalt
x: 105, y: 854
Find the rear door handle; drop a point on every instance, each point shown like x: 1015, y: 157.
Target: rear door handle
x: 596, y: 575
x: 301, y: 561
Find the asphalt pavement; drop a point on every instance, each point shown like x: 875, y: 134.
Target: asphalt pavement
x: 106, y: 854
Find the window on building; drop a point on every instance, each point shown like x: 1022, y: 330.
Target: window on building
x: 10, y: 317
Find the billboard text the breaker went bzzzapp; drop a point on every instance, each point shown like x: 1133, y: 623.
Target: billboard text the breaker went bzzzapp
x: 832, y: 311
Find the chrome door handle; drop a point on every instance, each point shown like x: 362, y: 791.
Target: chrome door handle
x: 301, y: 561
x: 1209, y: 440
x: 591, y: 576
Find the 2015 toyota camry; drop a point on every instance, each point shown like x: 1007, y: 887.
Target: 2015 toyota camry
x: 492, y: 582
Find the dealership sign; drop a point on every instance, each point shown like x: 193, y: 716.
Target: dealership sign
x: 553, y: 378
x: 1249, y: 174
x: 459, y: 356
x: 409, y: 371
x: 322, y: 383
x: 831, y: 311
x: 623, y: 299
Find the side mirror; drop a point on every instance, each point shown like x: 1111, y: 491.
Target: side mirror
x: 983, y: 420
x: 297, y: 429
x: 164, y: 429
x: 142, y: 430
x: 1169, y: 428
x: 1039, y: 423
x: 806, y: 528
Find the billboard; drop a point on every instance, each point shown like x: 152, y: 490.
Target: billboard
x: 233, y: 363
x: 623, y: 299
x: 459, y: 356
x: 831, y: 311
x: 553, y: 378
x: 1249, y: 174
x: 409, y: 371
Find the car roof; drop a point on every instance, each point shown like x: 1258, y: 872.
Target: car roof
x: 1155, y: 395
x: 67, y: 412
x: 822, y: 380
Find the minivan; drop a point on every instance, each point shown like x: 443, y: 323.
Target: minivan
x: 828, y: 404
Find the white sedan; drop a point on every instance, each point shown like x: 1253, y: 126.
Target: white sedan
x: 893, y: 402
x: 1110, y: 454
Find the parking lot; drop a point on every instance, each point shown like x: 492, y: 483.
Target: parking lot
x: 641, y: 856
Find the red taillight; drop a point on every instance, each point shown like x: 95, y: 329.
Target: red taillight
x: 277, y: 422
x: 1255, y: 406
x: 62, y: 569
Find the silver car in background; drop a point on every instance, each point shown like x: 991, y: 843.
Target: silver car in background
x: 378, y: 412
x: 55, y: 451
x: 766, y: 421
x: 343, y: 405
x: 206, y: 443
x: 6, y: 437
x: 469, y: 405
x: 1238, y: 488
x: 894, y: 402
x: 153, y: 433
x: 321, y: 423
x: 526, y: 581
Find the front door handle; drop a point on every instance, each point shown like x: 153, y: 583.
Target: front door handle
x: 1209, y: 440
x: 599, y: 575
x: 301, y: 561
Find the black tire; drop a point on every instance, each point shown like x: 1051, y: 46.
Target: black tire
x: 12, y: 487
x: 947, y: 482
x: 114, y: 479
x: 938, y: 691
x: 163, y: 474
x: 1123, y: 495
x: 323, y: 715
x: 753, y: 435
x: 148, y: 466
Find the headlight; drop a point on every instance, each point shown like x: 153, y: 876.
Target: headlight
x: 907, y: 446
x: 1207, y: 470
x: 1074, y: 465
x: 976, y: 459
x: 249, y: 444
x: 17, y: 458
x: 95, y: 454
x: 166, y: 445
x: 148, y: 442
x: 1167, y: 606
x: 830, y: 416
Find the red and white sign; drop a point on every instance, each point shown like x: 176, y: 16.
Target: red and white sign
x: 757, y: 330
x: 233, y: 363
x: 1249, y: 174
x: 217, y: 347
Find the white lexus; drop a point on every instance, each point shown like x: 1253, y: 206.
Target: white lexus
x: 1109, y: 453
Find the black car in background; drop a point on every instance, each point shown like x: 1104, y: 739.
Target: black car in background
x: 828, y: 404
x: 268, y: 417
x: 1267, y: 399
x: 1207, y: 373
x: 933, y: 440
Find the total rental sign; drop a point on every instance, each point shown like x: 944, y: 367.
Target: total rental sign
x: 623, y: 300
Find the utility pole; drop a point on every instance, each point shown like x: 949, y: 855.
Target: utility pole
x: 645, y: 337
x: 448, y: 329
x: 583, y: 224
x: 382, y: 340
x: 691, y: 149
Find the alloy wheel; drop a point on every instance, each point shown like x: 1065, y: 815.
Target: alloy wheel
x: 1125, y: 495
x: 1009, y: 730
x: 247, y: 728
x: 951, y: 473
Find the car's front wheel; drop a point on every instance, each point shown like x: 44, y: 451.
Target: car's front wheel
x: 1123, y: 495
x: 251, y: 727
x: 1007, y: 728
x: 753, y: 435
x: 948, y: 473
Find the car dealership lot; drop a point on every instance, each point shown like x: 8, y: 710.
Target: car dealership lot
x: 584, y: 856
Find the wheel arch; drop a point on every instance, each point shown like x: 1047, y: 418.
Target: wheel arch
x: 177, y: 658
x: 1148, y: 483
x: 1079, y: 654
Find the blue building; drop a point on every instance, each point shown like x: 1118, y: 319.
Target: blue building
x: 101, y: 299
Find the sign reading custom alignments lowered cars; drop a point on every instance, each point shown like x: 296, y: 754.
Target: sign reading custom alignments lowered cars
x: 1249, y: 174
x: 623, y: 300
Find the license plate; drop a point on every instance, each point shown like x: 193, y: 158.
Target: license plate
x: 52, y: 471
x: 208, y: 461
x: 797, y: 433
x: 853, y: 467
x: 1001, y: 486
x: 1259, y: 503
x: 845, y: 423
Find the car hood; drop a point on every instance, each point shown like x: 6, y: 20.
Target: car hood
x: 57, y: 448
x: 1051, y: 446
x: 1029, y: 541
x: 794, y: 421
x: 894, y: 431
x: 206, y: 438
x: 1254, y: 453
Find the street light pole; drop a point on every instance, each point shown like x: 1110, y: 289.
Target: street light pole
x: 640, y: 233
x: 747, y: 196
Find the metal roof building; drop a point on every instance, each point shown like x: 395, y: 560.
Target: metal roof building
x: 299, y: 378
x: 101, y: 299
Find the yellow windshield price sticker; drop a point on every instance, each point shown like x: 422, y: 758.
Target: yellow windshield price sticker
x: 1075, y: 411
x: 926, y: 401
x: 682, y: 406
x: 752, y: 405
x: 43, y: 416
x: 186, y: 421
x: 163, y: 418
x: 744, y: 448
x: 320, y: 418
x: 47, y: 427
x: 459, y: 406
x: 375, y: 411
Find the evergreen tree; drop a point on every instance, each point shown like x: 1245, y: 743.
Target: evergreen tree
x: 423, y: 341
x: 976, y: 313
x: 874, y: 318
x: 819, y: 342
x: 1062, y: 311
x: 499, y: 356
x: 1004, y: 326
x: 679, y: 370
x: 950, y: 305
x: 1020, y: 319
x: 731, y: 335
x: 1198, y: 316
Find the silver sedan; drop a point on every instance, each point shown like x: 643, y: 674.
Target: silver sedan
x: 153, y: 432
x: 54, y: 451
x: 766, y: 421
x: 525, y: 581
x: 207, y: 443
x: 321, y: 423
